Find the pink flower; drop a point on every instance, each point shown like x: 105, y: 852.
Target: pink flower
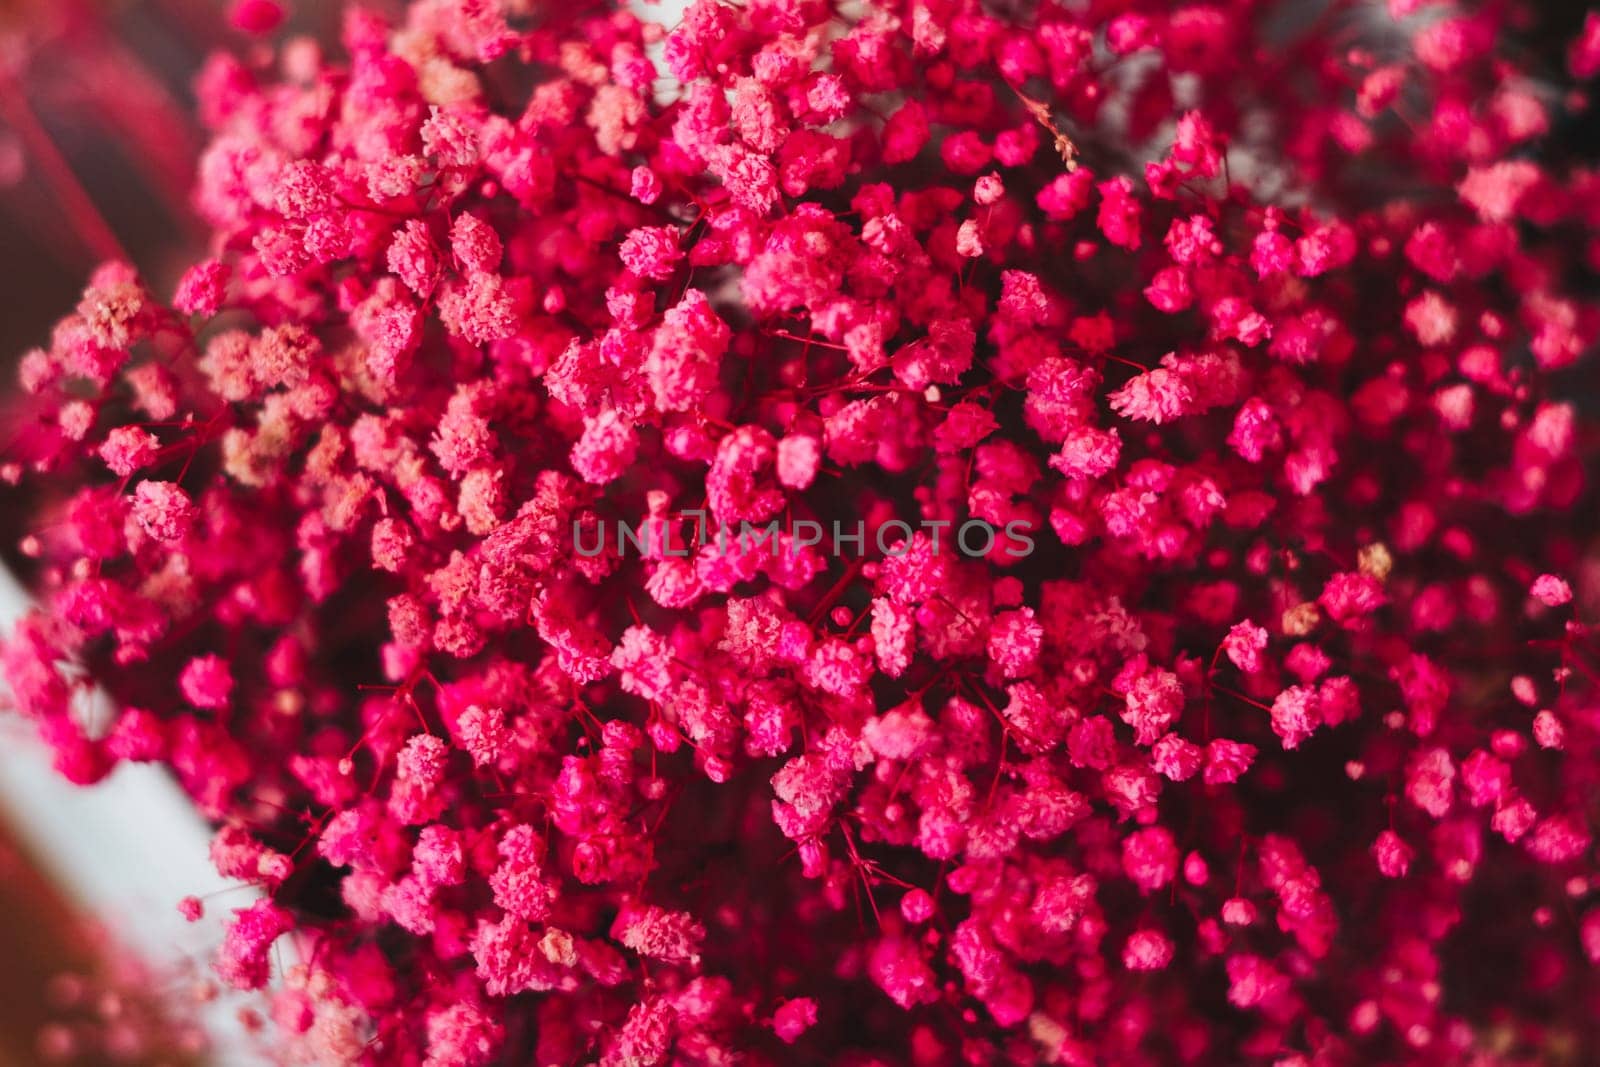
x: 652, y: 252
x: 244, y: 962
x: 207, y: 682
x: 1244, y: 645
x: 1429, y: 782
x: 1150, y: 858
x: 1154, y: 699
x: 883, y: 533
x: 1296, y: 713
x: 163, y: 510
x: 1393, y: 855
x: 1147, y: 950
x: 1551, y: 591
x: 1156, y: 396
x: 793, y: 1018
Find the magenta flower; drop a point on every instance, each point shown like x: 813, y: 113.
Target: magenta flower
x: 918, y: 533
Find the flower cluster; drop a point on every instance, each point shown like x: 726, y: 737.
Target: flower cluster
x: 1279, y: 746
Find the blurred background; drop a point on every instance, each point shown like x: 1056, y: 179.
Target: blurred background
x: 97, y: 147
x: 98, y: 137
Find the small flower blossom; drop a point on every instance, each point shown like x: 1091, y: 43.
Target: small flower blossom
x: 1393, y: 855
x: 462, y: 1035
x: 245, y: 961
x: 1495, y: 191
x: 128, y: 449
x: 1244, y: 645
x: 207, y: 682
x: 1237, y: 911
x: 1154, y: 699
x: 1548, y: 731
x: 1296, y: 713
x: 1156, y: 396
x: 1150, y: 858
x: 1430, y: 781
x: 606, y: 449
x: 203, y: 288
x: 652, y: 931
x: 1147, y: 950
x: 1551, y: 591
x: 793, y: 1018
x: 163, y: 510
x: 1015, y: 641
x: 652, y: 252
x: 1120, y: 213
x: 478, y: 310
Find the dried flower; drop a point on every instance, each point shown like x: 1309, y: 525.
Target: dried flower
x: 799, y: 766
